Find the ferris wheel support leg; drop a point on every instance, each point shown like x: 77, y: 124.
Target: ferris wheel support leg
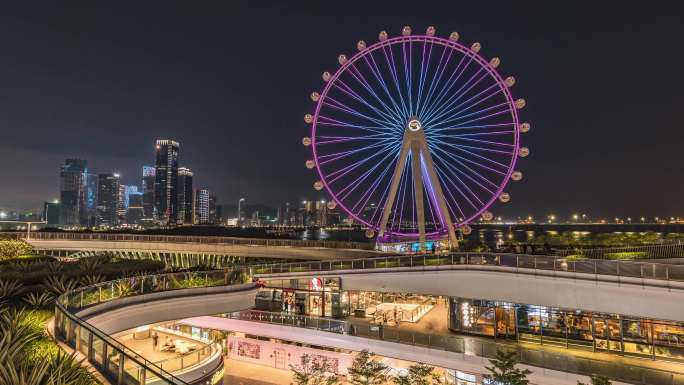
x: 439, y: 194
x: 396, y: 178
x: 418, y: 188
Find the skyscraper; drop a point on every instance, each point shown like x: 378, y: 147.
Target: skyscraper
x: 202, y: 206
x: 107, y: 199
x: 148, y: 176
x: 91, y: 199
x: 134, y: 212
x: 213, y: 218
x: 166, y: 181
x: 73, y: 193
x: 185, y: 196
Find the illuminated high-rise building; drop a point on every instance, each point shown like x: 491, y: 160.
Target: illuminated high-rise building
x: 185, y: 196
x: 73, y: 193
x: 107, y: 200
x: 148, y: 176
x: 202, y: 206
x: 166, y: 181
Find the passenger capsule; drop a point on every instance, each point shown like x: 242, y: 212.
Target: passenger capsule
x: 504, y: 197
x: 382, y: 36
x: 318, y: 185
x: 495, y: 62
x: 361, y: 45
x: 454, y: 36
x: 370, y: 233
x: 520, y: 103
x: 476, y: 47
x: 510, y: 81
x: 326, y: 76
x: 430, y: 31
x: 306, y: 141
x: 310, y: 164
x: 406, y: 31
x: 487, y: 215
x: 315, y: 96
x: 523, y: 152
x: 516, y: 175
x: 525, y: 127
x: 331, y: 205
x: 466, y: 230
x: 308, y: 118
x: 342, y: 59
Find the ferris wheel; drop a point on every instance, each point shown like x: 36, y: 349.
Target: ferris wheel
x: 416, y: 136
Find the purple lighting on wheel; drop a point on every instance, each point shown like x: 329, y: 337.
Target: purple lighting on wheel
x: 469, y: 121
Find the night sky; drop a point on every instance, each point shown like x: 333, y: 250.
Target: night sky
x: 231, y: 82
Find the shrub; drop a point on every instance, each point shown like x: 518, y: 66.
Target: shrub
x: 13, y: 248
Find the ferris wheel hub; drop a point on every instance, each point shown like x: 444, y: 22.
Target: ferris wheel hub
x: 414, y: 125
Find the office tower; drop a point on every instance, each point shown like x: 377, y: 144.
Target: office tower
x: 121, y: 203
x: 107, y: 200
x: 148, y: 177
x: 321, y: 213
x: 202, y: 206
x: 185, y: 196
x: 73, y: 193
x: 135, y: 211
x: 166, y: 181
x: 91, y: 199
x: 213, y: 218
x: 51, y: 213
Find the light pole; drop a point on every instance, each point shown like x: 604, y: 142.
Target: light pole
x: 239, y: 213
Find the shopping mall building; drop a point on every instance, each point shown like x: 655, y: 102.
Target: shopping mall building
x: 565, y: 320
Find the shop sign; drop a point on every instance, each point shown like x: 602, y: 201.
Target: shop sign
x: 316, y: 284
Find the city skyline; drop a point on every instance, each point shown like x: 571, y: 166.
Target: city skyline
x: 242, y: 126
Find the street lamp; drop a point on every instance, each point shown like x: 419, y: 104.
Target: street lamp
x: 239, y: 213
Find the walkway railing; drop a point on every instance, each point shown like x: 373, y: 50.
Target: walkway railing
x: 631, y: 269
x: 189, y: 239
x: 528, y: 355
x: 117, y: 362
x: 674, y: 249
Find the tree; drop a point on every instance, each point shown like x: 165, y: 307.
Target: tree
x: 313, y: 371
x: 597, y: 380
x: 419, y: 374
x: 365, y: 370
x: 504, y: 372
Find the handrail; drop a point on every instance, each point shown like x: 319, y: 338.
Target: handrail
x: 190, y: 239
x: 470, y: 346
x: 628, y: 269
x: 72, y: 329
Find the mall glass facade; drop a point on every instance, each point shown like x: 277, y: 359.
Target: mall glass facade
x: 307, y: 296
x: 568, y: 328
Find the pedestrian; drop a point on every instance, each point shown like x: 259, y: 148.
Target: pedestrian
x: 155, y: 340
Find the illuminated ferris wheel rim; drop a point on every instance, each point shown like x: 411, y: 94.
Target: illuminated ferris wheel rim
x: 503, y: 87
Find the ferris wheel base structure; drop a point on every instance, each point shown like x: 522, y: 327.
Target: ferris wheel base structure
x: 423, y: 173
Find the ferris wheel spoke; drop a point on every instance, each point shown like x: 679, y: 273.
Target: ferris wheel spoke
x: 453, y: 169
x: 337, y: 105
x: 407, y: 75
x: 463, y: 194
x: 345, y: 191
x: 446, y: 106
x: 471, y: 134
x: 375, y: 70
x: 337, y: 174
x: 461, y: 113
x: 439, y: 72
x: 358, y: 76
x: 328, y: 121
x: 469, y: 103
x: 391, y: 65
x: 483, y: 166
x: 396, y: 201
x: 343, y: 139
x: 458, y: 128
x: 483, y: 149
x: 343, y: 154
x: 498, y: 113
x: 452, y: 200
x: 347, y: 90
x: 367, y: 195
x: 464, y: 150
x: 424, y: 68
x: 457, y: 160
x: 453, y: 79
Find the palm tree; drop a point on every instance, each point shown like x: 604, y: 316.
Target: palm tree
x: 313, y: 371
x: 418, y: 374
